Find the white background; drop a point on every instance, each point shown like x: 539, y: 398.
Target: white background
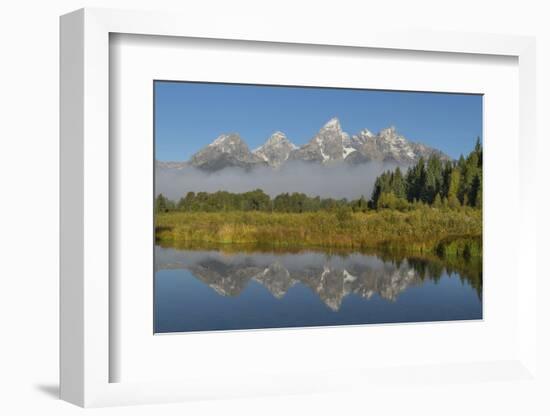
x: 29, y: 213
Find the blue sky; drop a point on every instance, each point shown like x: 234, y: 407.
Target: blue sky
x: 188, y: 116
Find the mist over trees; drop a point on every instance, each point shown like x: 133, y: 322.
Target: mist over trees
x: 331, y: 180
x: 431, y: 182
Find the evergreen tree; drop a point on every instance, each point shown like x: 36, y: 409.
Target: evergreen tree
x: 398, y: 185
x: 434, y: 179
x: 470, y: 168
x: 479, y: 151
x: 454, y: 185
x: 475, y: 191
x: 161, y: 204
x: 479, y: 196
x: 416, y: 181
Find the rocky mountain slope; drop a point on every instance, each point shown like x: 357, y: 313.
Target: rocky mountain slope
x: 228, y: 150
x: 275, y: 150
x: 331, y: 144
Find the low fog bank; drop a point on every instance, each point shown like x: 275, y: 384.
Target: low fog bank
x: 333, y: 181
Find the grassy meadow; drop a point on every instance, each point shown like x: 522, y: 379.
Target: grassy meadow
x: 426, y: 229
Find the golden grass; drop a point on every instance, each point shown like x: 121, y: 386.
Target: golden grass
x: 422, y: 229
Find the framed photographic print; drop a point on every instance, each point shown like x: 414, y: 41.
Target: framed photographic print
x: 287, y: 213
x: 338, y: 229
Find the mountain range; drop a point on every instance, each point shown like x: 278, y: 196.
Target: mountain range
x: 330, y: 145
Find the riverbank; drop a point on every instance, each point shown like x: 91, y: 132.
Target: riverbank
x: 424, y: 230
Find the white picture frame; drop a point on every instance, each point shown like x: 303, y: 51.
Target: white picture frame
x: 86, y: 265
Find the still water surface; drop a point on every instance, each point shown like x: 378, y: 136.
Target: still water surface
x: 206, y: 290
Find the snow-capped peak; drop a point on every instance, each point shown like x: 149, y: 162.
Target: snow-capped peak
x: 276, y: 149
x: 366, y: 133
x: 219, y: 140
x: 277, y: 137
x: 227, y: 150
x: 388, y: 132
x: 329, y: 144
x: 333, y: 123
x: 227, y: 143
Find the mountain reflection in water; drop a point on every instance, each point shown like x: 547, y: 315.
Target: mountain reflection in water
x: 332, y: 278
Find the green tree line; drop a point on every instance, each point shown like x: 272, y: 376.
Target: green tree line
x: 257, y: 200
x: 433, y: 182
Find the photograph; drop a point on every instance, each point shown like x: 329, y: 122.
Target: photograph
x: 282, y: 206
